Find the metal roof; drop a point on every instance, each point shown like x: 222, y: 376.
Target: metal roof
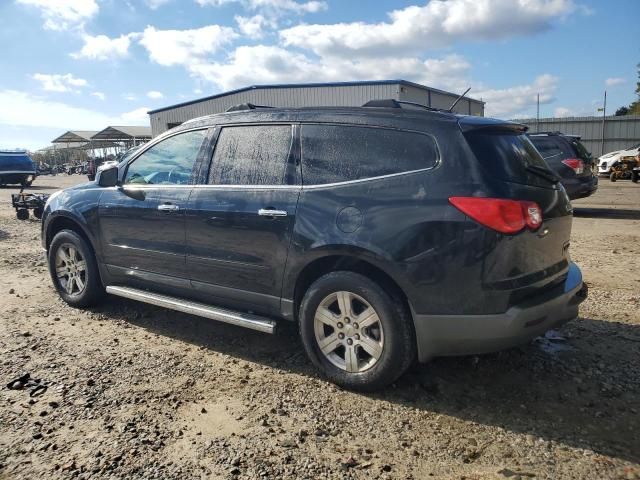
x: 309, y: 85
x: 122, y: 133
x: 75, y: 136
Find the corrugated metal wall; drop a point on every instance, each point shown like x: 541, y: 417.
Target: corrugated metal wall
x: 351, y: 95
x: 439, y: 99
x: 620, y: 132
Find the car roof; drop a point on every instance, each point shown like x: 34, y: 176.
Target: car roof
x: 412, y: 117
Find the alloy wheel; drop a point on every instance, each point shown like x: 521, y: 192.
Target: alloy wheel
x: 71, y: 269
x: 349, y: 332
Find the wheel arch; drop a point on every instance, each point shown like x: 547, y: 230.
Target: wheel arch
x: 65, y: 222
x: 345, y: 262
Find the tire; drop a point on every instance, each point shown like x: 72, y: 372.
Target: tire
x: 37, y: 212
x: 383, y: 349
x: 612, y: 177
x: 22, y: 214
x: 89, y: 290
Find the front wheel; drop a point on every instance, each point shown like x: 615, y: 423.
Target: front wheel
x: 74, y: 270
x: 355, y: 333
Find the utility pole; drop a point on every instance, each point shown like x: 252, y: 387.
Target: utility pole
x: 604, y: 117
x: 538, y: 114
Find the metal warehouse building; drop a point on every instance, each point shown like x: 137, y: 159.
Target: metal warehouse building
x: 312, y: 95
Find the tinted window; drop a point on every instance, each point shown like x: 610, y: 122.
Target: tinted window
x: 333, y: 153
x: 552, y: 149
x: 507, y: 155
x: 169, y: 162
x: 581, y: 151
x: 251, y: 155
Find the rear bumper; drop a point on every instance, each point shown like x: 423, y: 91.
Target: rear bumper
x: 580, y: 187
x: 444, y: 335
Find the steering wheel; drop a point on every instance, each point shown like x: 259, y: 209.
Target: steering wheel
x: 171, y: 173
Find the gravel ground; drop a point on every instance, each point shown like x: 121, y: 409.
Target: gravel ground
x: 130, y: 390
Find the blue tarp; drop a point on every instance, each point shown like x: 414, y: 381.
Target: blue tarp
x: 16, y: 162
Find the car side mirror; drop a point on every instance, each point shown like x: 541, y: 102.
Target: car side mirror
x: 107, y: 176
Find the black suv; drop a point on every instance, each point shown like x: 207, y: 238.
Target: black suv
x: 570, y: 160
x: 387, y: 233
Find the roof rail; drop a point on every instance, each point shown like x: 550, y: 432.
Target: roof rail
x: 245, y: 106
x: 392, y: 103
x: 577, y: 137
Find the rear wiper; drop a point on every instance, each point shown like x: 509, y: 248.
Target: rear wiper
x: 543, y: 172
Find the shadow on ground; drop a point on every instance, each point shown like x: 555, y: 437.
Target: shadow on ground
x: 584, y: 393
x: 613, y: 213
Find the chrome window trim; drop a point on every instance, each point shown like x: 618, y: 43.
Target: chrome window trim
x: 277, y: 187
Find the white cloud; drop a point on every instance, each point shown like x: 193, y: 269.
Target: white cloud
x: 138, y: 116
x: 99, y: 95
x: 130, y: 96
x: 562, y: 112
x: 63, y: 14
x: 253, y: 27
x: 183, y: 47
x: 23, y: 109
x: 434, y: 25
x: 101, y: 47
x: 273, y: 64
x: 275, y: 7
x: 154, y: 4
x: 59, y: 83
x: 508, y: 102
x: 155, y: 95
x: 613, y: 81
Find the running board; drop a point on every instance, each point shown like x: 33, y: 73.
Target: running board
x: 240, y: 319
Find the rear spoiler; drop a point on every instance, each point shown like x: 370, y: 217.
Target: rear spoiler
x: 470, y: 123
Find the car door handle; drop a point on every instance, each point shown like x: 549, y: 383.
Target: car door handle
x: 168, y: 207
x: 270, y: 212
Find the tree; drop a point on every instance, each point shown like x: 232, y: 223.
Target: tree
x: 634, y: 108
x: 622, y: 111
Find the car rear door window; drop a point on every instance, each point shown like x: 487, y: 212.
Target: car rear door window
x: 339, y: 153
x: 169, y: 162
x: 251, y: 155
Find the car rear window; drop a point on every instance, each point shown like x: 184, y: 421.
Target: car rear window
x: 339, y: 153
x: 507, y: 155
x: 581, y: 151
x: 552, y: 149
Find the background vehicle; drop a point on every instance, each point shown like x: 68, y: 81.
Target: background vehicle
x: 16, y: 167
x: 606, y: 161
x: 570, y: 160
x: 353, y: 222
x: 623, y: 168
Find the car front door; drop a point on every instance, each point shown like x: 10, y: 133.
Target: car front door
x: 239, y: 224
x: 142, y: 221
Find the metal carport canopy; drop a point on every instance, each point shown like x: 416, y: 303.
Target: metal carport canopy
x: 123, y: 133
x: 75, y: 136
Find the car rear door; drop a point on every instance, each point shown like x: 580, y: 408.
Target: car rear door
x: 142, y: 221
x: 239, y: 224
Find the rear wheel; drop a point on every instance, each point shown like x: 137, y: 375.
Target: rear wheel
x: 74, y: 270
x: 355, y: 333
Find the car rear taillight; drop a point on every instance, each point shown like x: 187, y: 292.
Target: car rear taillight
x: 575, y: 165
x: 502, y: 215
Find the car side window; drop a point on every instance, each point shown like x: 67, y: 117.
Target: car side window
x: 251, y: 155
x: 339, y: 153
x: 169, y: 162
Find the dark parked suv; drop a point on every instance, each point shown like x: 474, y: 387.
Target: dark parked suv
x: 570, y: 160
x: 388, y: 233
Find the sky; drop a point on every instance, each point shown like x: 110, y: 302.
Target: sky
x: 86, y: 64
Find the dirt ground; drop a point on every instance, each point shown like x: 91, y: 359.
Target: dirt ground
x: 136, y: 391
